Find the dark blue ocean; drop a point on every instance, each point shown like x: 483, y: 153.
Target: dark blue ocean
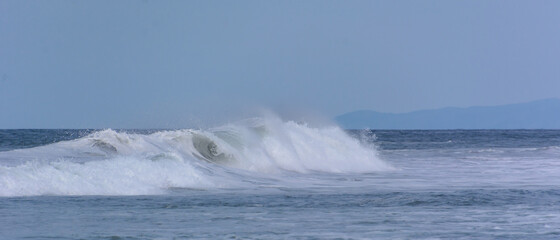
x: 268, y: 179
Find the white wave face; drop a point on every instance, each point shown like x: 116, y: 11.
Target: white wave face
x: 115, y: 163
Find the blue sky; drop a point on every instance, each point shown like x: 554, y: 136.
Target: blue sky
x: 152, y: 64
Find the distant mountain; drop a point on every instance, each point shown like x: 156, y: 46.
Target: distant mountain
x: 542, y: 114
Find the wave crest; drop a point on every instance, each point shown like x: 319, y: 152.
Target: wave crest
x: 118, y: 163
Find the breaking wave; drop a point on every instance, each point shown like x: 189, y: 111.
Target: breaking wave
x: 235, y: 155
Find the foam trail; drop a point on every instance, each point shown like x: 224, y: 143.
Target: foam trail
x: 120, y: 176
x: 117, y: 163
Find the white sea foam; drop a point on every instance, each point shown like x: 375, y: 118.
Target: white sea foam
x: 117, y: 163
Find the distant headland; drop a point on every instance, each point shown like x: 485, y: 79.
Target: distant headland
x: 541, y: 114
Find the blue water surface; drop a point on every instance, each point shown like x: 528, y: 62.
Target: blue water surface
x: 455, y: 184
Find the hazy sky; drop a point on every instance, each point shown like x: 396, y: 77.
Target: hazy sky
x: 151, y: 64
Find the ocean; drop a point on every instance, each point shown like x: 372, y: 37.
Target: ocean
x: 271, y: 179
